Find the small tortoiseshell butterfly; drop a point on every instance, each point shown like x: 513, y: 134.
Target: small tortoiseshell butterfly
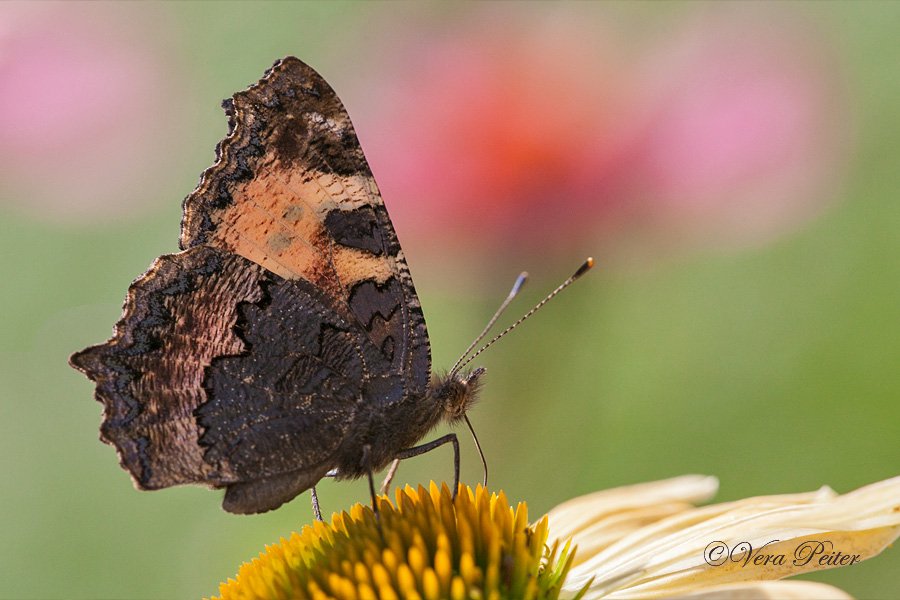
x: 285, y: 341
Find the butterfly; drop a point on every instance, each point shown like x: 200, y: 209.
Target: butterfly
x: 285, y: 341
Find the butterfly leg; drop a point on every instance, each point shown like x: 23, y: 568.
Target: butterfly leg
x: 315, y: 497
x: 416, y: 451
x: 315, y: 503
x: 386, y: 484
x: 366, y: 452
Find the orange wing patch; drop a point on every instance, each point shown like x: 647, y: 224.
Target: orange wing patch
x: 277, y: 221
x: 269, y: 196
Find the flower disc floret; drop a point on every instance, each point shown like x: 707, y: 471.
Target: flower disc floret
x: 475, y: 546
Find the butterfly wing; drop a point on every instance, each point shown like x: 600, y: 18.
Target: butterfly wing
x: 243, y: 360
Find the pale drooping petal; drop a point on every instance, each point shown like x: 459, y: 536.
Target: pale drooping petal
x: 768, y: 590
x: 643, y: 541
x: 596, y: 520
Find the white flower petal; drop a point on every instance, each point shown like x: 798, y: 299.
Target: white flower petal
x: 768, y: 590
x: 667, y: 555
x: 574, y: 517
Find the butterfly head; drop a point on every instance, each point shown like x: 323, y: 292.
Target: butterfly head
x: 457, y: 392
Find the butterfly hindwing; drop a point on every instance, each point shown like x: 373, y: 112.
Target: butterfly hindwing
x: 177, y: 318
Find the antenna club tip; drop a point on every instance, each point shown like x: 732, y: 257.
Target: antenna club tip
x: 584, y: 268
x: 520, y: 281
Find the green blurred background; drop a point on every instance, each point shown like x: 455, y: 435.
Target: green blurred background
x: 732, y: 168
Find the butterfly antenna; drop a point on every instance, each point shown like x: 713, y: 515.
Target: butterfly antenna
x: 581, y: 271
x: 520, y: 281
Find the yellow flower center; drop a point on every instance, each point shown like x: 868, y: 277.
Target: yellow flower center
x: 434, y: 547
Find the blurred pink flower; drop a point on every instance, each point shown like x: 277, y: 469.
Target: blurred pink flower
x: 83, y: 110
x: 748, y: 131
x: 548, y: 134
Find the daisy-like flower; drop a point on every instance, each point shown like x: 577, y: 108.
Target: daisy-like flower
x: 434, y: 547
x: 642, y: 541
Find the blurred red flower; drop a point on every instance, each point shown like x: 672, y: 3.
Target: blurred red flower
x: 543, y: 135
x: 510, y: 134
